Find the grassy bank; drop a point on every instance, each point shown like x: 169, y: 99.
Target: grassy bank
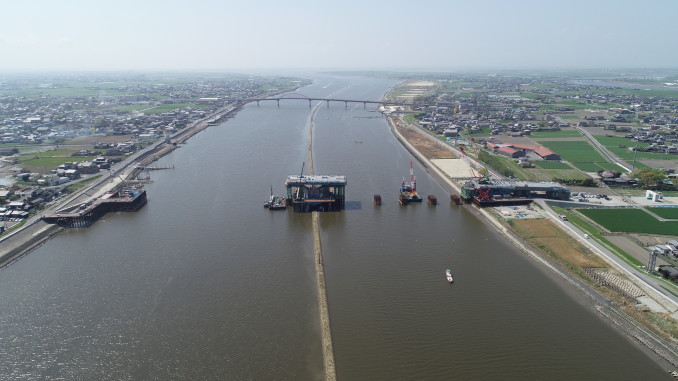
x: 569, y: 254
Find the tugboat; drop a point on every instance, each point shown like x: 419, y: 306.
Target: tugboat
x: 448, y: 275
x: 408, y: 191
x: 275, y: 202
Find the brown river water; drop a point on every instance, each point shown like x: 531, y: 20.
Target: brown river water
x: 204, y: 283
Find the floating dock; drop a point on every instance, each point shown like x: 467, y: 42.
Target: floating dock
x: 86, y: 214
x: 316, y: 193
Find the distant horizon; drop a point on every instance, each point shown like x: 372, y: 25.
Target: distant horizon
x: 277, y: 71
x: 303, y: 35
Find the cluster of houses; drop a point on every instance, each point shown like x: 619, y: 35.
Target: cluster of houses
x: 15, y: 206
x: 670, y: 248
x: 656, y: 142
x: 517, y: 151
x: 49, y: 118
x: 64, y: 172
x: 493, y: 105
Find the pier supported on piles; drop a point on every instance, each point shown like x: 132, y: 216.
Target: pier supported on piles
x: 86, y: 214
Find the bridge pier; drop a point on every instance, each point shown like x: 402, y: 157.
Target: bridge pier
x: 309, y: 103
x: 257, y: 103
x: 278, y: 103
x: 345, y: 104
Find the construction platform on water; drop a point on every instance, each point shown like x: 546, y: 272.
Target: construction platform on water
x: 83, y: 215
x: 484, y: 192
x: 316, y: 193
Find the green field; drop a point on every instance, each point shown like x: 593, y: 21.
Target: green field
x: 583, y: 224
x: 549, y: 164
x: 574, y: 151
x: 550, y: 174
x: 55, y: 161
x: 485, y: 131
x: 588, y: 167
x: 636, y: 92
x: 610, y: 167
x: 599, y: 166
x: 671, y: 213
x: 133, y: 108
x: 620, y: 147
x: 53, y: 158
x: 556, y: 134
x: 630, y: 221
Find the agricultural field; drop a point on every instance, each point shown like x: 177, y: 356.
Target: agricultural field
x: 610, y: 167
x: 630, y: 221
x: 537, y: 174
x: 483, y: 132
x: 574, y: 151
x: 53, y: 158
x: 132, y: 108
x: 550, y: 164
x: 556, y: 134
x: 620, y: 147
x: 588, y: 167
x: 670, y: 213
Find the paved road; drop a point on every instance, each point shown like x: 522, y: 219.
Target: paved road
x: 610, y: 156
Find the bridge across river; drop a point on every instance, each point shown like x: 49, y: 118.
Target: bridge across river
x: 299, y: 96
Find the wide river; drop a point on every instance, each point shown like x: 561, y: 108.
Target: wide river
x: 205, y: 284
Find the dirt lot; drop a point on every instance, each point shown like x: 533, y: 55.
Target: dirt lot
x: 427, y: 147
x: 628, y: 245
x: 548, y: 238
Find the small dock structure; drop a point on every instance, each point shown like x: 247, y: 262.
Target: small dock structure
x: 85, y: 214
x: 316, y: 193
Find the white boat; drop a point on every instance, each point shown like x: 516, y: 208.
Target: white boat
x: 448, y: 275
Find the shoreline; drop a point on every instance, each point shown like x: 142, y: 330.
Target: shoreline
x: 658, y: 348
x: 24, y: 240
x: 32, y: 235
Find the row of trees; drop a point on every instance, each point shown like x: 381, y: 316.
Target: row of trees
x: 652, y: 178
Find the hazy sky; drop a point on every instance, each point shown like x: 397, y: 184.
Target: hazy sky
x: 346, y: 34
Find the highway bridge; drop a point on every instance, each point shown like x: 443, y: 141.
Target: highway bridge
x: 299, y: 96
